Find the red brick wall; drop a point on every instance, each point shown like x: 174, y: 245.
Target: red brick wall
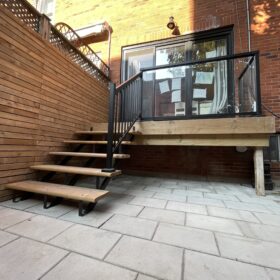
x: 145, y: 20
x: 207, y: 162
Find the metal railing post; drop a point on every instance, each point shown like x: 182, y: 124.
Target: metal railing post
x: 258, y: 84
x: 109, y: 159
x: 141, y: 96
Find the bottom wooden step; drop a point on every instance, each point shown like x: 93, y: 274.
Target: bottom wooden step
x: 70, y: 192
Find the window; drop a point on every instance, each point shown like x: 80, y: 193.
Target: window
x: 46, y: 7
x: 182, y: 91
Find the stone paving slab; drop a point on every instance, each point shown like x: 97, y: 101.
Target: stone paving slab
x: 187, y: 237
x: 40, y: 228
x: 27, y: 259
x: 144, y: 277
x: 274, y: 274
x: 6, y: 237
x: 213, y: 224
x: 21, y: 205
x: 158, y: 189
x: 131, y: 226
x: 157, y: 260
x: 140, y: 193
x: 119, y: 208
x: 274, y: 209
x: 188, y: 193
x: 249, y: 250
x: 117, y: 198
x: 269, y: 219
x: 232, y: 214
x: 55, y: 211
x: 160, y: 215
x: 86, y: 240
x: 117, y: 189
x: 172, y: 197
x: 206, y: 201
x: 94, y: 218
x: 259, y: 231
x: 186, y: 207
x: 11, y: 217
x: 257, y: 200
x: 75, y: 266
x: 200, y: 266
x: 149, y: 202
x: 254, y: 207
x: 200, y: 188
x: 221, y: 196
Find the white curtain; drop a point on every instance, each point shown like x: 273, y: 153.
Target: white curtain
x: 220, y: 84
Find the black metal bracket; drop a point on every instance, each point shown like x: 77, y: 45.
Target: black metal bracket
x: 85, y: 208
x: 53, y: 202
x: 22, y: 197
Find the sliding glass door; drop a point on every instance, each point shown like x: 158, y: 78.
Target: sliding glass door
x: 181, y: 91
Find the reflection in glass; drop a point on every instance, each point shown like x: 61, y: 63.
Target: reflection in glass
x: 170, y: 82
x: 135, y: 60
x: 210, y: 86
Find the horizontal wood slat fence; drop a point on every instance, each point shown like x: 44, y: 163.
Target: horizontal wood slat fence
x: 44, y: 98
x: 40, y: 23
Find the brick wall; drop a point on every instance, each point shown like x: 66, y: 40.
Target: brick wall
x: 145, y: 20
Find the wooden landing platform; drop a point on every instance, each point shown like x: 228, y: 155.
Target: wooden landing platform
x: 239, y: 131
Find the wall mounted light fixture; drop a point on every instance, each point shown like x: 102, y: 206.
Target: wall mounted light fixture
x: 173, y: 26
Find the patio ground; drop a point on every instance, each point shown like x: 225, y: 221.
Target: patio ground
x: 147, y: 228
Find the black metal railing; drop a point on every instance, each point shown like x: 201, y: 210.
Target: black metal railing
x: 224, y: 86
x: 124, y: 110
x: 82, y: 56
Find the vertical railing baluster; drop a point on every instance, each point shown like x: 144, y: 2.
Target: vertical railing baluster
x: 109, y: 159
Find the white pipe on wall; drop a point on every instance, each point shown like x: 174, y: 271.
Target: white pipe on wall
x: 248, y: 24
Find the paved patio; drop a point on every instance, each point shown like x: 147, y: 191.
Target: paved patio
x: 148, y: 228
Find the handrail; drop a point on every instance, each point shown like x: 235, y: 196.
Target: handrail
x: 214, y: 59
x: 125, y: 106
x: 130, y: 80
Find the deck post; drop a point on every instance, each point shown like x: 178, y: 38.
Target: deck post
x: 45, y: 27
x: 259, y: 171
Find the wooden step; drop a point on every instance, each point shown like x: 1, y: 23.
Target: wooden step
x: 76, y: 170
x: 70, y: 192
x: 92, y: 142
x: 94, y: 155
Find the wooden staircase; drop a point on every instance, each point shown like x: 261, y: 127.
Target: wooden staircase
x: 87, y: 197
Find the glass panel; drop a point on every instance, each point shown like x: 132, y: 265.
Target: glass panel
x: 245, y: 85
x: 210, y: 80
x: 170, y: 83
x: 135, y: 60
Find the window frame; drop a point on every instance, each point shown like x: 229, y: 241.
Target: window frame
x: 226, y: 32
